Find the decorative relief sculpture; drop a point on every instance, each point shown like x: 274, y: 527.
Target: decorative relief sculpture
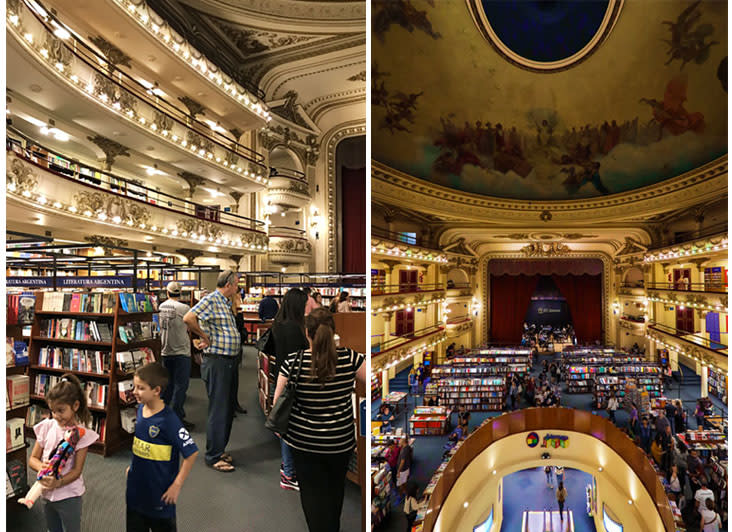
x: 22, y: 177
x: 197, y: 228
x: 112, y: 206
x: 539, y: 249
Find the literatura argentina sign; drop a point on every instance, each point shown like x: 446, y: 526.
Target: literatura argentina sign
x: 122, y: 281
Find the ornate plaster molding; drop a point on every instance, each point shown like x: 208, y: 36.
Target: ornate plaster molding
x: 541, y: 249
x: 705, y: 183
x: 331, y: 139
x: 607, y: 281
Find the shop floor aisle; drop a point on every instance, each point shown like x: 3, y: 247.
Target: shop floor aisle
x: 247, y: 500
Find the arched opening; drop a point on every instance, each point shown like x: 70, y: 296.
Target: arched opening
x: 634, y: 277
x: 457, y: 278
x: 351, y: 204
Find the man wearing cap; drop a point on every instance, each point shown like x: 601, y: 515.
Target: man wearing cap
x: 213, y: 321
x: 176, y: 350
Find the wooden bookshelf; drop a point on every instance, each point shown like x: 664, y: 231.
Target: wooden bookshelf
x: 115, y: 437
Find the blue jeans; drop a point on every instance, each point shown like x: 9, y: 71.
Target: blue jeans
x: 288, y: 463
x: 179, y: 368
x: 218, y: 374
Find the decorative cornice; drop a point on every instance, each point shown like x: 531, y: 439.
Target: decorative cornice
x: 541, y: 249
x: 114, y: 55
x: 361, y: 76
x: 111, y: 149
x: 397, y: 188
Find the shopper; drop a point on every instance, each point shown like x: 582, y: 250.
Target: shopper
x: 392, y: 458
x: 657, y: 450
x: 561, y: 497
x: 386, y: 416
x: 268, y: 307
x: 667, y: 445
x: 702, y: 494
x: 62, y: 496
x: 155, y: 477
x: 412, y: 381
x: 695, y: 471
x: 633, y: 421
x: 674, y: 482
x: 312, y: 302
x: 411, y: 504
x: 662, y: 422
x: 710, y: 520
x: 559, y: 474
x: 344, y: 302
x: 176, y: 350
x: 645, y: 435
x: 212, y: 320
x: 612, y: 406
x: 699, y: 414
x: 549, y: 477
x: 671, y: 415
x: 405, y: 463
x: 288, y: 335
x: 321, y: 432
x: 680, y: 417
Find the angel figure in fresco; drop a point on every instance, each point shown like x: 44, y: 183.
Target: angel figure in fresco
x: 688, y: 43
x: 670, y: 113
x: 401, y: 12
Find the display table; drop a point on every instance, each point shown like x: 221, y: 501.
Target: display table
x: 394, y: 398
x: 430, y: 421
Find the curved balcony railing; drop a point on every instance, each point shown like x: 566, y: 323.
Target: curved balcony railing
x: 715, y: 288
x: 405, y: 288
x: 126, y: 96
x: 285, y: 181
x: 286, y: 232
x: 287, y: 173
x: 541, y: 419
x: 69, y: 168
x: 690, y: 338
x: 378, y: 349
x: 456, y: 320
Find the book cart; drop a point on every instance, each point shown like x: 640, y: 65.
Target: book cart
x: 93, y: 359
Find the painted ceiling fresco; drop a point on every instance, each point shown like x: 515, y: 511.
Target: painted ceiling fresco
x: 649, y: 104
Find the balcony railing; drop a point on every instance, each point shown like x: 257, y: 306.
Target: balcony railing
x: 287, y: 180
x: 455, y: 320
x: 685, y: 287
x: 126, y: 95
x: 403, y: 238
x: 405, y: 288
x: 288, y: 245
x: 400, y: 340
x: 689, y: 337
x: 69, y: 168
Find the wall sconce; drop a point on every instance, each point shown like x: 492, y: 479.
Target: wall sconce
x: 314, y: 222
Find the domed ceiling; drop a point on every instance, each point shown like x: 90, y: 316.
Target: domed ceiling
x: 548, y: 100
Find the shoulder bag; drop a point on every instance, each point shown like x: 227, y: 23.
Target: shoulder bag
x: 265, y: 343
x: 278, y: 419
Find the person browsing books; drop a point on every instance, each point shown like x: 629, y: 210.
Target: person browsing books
x: 155, y: 477
x: 320, y: 430
x: 176, y: 350
x: 211, y: 319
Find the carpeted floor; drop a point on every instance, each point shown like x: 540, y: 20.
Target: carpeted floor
x: 247, y: 500
x: 428, y: 449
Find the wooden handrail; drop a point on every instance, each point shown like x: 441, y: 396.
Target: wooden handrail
x: 535, y: 419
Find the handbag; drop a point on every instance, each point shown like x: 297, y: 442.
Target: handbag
x: 265, y: 343
x: 278, y: 419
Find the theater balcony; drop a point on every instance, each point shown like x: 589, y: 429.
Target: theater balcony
x: 700, y: 349
x: 47, y: 189
x: 75, y: 83
x: 288, y: 246
x: 387, y: 354
x: 287, y: 189
x: 159, y: 52
x: 405, y: 248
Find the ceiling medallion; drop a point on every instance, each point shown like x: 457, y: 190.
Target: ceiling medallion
x: 545, y: 36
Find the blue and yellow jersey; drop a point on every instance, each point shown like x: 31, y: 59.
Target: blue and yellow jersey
x: 159, y: 442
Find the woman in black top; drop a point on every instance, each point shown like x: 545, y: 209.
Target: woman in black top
x: 288, y: 333
x: 320, y: 431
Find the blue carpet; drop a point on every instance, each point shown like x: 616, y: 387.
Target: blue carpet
x: 428, y: 449
x: 527, y: 490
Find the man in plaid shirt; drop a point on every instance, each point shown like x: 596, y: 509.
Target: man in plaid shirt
x: 213, y: 321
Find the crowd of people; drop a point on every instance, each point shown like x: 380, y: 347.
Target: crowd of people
x: 543, y: 337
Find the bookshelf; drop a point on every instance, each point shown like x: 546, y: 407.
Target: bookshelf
x: 429, y: 421
x: 265, y: 363
x: 717, y: 383
x: 19, y: 318
x: 90, y: 343
x: 475, y: 394
x: 380, y: 490
x: 376, y: 386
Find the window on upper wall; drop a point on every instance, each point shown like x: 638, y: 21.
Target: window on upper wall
x: 404, y: 322
x: 408, y: 238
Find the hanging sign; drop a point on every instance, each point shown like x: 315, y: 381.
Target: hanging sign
x: 35, y: 282
x: 101, y: 281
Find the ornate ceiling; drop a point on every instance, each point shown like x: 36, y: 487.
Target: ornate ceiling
x: 307, y: 57
x: 642, y: 103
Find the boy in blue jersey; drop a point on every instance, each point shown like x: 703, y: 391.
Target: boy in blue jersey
x: 154, y: 479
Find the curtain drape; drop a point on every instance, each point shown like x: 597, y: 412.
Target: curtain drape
x: 584, y: 297
x: 509, y: 301
x: 353, y: 219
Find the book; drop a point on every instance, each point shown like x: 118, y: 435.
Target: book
x: 18, y: 389
x: 126, y: 388
x: 36, y: 413
x: 17, y: 475
x: 20, y: 353
x: 9, y: 351
x: 14, y: 437
x: 129, y: 361
x: 128, y: 418
x: 26, y: 309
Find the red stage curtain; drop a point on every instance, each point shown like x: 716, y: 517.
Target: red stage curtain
x: 510, y: 298
x: 353, y: 219
x: 584, y: 297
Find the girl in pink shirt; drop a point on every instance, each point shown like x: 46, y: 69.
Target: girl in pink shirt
x: 62, y: 497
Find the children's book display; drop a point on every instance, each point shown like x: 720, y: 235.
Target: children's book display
x: 102, y: 337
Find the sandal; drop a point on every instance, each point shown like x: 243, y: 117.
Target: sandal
x: 226, y: 457
x: 223, y: 467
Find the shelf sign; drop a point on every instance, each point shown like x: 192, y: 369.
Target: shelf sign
x: 35, y: 282
x: 553, y: 441
x: 121, y: 281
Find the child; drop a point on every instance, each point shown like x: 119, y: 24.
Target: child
x: 67, y: 403
x: 153, y: 479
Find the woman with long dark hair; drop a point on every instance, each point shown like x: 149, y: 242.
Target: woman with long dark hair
x: 320, y: 431
x: 288, y: 332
